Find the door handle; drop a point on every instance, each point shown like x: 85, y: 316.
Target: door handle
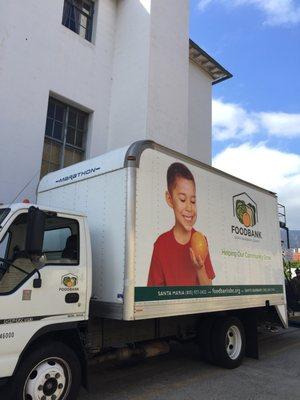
x: 72, y: 298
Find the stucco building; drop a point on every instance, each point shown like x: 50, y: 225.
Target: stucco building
x: 81, y: 77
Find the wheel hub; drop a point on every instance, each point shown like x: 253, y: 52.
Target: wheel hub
x: 50, y: 386
x: 233, y: 342
x: 49, y: 380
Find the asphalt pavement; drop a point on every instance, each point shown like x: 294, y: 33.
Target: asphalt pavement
x: 180, y: 375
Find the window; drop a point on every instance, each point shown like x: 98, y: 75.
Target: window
x: 61, y: 246
x: 3, y: 213
x: 13, y: 250
x: 78, y: 16
x: 3, y: 248
x: 65, y: 136
x: 55, y: 240
x: 61, y: 242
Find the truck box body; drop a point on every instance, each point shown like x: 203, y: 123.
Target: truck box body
x: 123, y: 194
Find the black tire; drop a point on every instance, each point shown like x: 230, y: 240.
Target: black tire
x: 228, y: 342
x: 205, y: 328
x: 47, y: 368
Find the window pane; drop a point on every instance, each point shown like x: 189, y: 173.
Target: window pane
x: 16, y: 254
x: 51, y: 157
x: 53, y: 167
x: 3, y: 213
x: 72, y: 24
x: 57, y: 131
x: 55, y: 153
x: 68, y: 160
x: 83, y: 21
x: 3, y: 247
x: 79, y: 139
x: 51, y: 108
x: 71, y: 135
x: 61, y: 241
x: 82, y: 31
x: 55, y: 239
x: 72, y: 118
x: 81, y: 121
x: 78, y: 4
x: 87, y: 7
x: 77, y: 156
x: 49, y: 126
x: 46, y: 151
x: 72, y: 156
x: 45, y: 168
x: 66, y: 13
x: 59, y: 112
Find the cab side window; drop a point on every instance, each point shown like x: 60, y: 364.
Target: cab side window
x: 61, y: 241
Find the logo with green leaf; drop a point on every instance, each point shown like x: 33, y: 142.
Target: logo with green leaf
x: 245, y: 209
x: 69, y: 280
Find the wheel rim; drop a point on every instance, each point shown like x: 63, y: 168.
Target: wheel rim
x: 233, y: 342
x: 48, y: 380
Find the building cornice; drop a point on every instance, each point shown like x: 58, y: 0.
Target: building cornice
x: 208, y: 64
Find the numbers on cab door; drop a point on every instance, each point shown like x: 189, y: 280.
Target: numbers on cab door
x: 7, y: 335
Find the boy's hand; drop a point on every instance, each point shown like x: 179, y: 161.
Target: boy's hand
x: 197, y: 261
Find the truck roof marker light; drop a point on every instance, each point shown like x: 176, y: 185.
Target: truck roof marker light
x: 26, y: 201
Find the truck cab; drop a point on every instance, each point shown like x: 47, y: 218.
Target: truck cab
x: 41, y: 290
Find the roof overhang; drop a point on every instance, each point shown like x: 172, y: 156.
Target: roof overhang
x: 208, y: 64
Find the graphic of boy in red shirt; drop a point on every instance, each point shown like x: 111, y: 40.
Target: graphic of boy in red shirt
x: 174, y: 263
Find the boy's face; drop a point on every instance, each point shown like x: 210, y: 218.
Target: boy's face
x: 183, y: 201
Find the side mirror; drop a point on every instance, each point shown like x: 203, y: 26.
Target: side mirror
x: 35, y: 231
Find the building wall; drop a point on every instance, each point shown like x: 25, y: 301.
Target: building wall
x: 168, y: 74
x: 199, y: 114
x: 150, y: 73
x: 38, y: 56
x: 128, y: 114
x: 134, y: 79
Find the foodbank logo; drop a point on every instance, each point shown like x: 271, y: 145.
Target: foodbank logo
x: 69, y: 282
x: 246, y: 212
x: 245, y: 209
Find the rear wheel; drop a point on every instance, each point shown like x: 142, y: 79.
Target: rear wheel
x: 228, y: 342
x: 49, y: 372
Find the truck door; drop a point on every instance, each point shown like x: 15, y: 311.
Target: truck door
x: 24, y: 309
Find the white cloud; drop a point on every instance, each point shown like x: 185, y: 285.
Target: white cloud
x: 281, y: 124
x: 277, y: 12
x: 203, y: 4
x: 269, y: 168
x: 232, y: 121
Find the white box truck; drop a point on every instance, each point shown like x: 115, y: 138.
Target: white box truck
x: 125, y: 252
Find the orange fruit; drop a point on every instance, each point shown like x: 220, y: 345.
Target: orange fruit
x: 246, y: 219
x: 199, y: 245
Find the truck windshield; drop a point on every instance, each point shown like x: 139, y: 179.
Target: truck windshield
x: 3, y: 213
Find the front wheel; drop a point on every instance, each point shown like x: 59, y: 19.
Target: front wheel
x: 228, y: 342
x: 49, y: 372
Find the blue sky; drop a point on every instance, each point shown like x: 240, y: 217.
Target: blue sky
x: 256, y: 114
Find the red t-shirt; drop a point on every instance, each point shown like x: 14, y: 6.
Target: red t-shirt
x: 171, y: 263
